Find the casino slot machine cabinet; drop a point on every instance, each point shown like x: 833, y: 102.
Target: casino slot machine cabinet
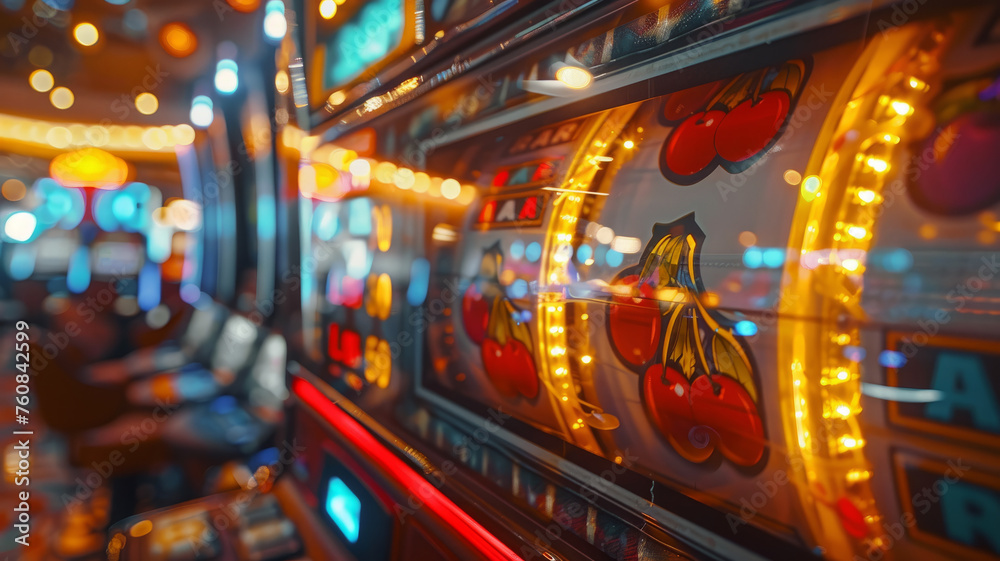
x: 815, y: 371
x: 713, y: 280
x: 97, y: 255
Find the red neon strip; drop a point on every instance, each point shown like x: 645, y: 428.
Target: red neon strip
x: 477, y: 536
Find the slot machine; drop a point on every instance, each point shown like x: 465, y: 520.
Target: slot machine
x: 690, y: 308
x: 96, y: 253
x: 631, y: 280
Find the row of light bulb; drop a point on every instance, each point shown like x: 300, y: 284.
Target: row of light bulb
x: 74, y: 135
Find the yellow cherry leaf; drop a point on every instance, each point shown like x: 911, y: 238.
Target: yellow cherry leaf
x: 730, y: 360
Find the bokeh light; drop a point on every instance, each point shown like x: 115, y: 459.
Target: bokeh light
x: 146, y: 103
x: 327, y: 9
x: 178, y: 39
x: 13, y: 189
x: 62, y: 98
x: 86, y: 34
x: 41, y: 80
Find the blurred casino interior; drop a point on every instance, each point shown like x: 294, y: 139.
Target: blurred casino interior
x: 406, y: 280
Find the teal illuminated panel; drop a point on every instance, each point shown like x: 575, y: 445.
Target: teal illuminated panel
x: 369, y: 36
x: 344, y: 508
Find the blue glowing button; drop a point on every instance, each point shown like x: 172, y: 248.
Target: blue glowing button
x: 344, y: 508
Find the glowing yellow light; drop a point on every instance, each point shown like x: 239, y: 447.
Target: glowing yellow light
x: 843, y: 410
x: 878, y: 164
x: 146, y: 103
x: 405, y: 178
x: 843, y: 375
x: 586, y: 359
x: 154, y: 138
x: 584, y: 317
x: 792, y: 177
x: 857, y: 232
x: 327, y: 9
x: 61, y: 98
x: 843, y: 339
x: 858, y: 475
x: 58, y: 137
x: 451, y: 189
x: 421, y: 182
x: 866, y: 195
x: 628, y: 144
x: 281, y: 81
x: 574, y: 77
x: 407, y: 86
x: 360, y: 168
x: 850, y: 264
x: 812, y: 184
x: 85, y: 34
x: 14, y: 190
x: 320, y: 181
x: 564, y: 398
x: 384, y: 172
x: 850, y: 442
x: 133, y: 136
x: 41, y: 80
x: 183, y: 134
x: 467, y: 195
x: 338, y: 97
x: 901, y: 107
x: 89, y: 167
x: 178, y: 39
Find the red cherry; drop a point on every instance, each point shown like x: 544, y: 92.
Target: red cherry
x: 635, y: 323
x: 750, y: 127
x: 475, y: 314
x: 691, y: 146
x: 683, y: 103
x: 524, y: 375
x: 732, y: 414
x: 668, y: 400
x: 955, y: 182
x: 495, y: 366
x: 510, y: 368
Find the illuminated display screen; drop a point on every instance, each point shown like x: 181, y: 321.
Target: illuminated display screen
x: 364, y: 280
x: 344, y: 508
x: 353, y: 509
x: 366, y: 39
